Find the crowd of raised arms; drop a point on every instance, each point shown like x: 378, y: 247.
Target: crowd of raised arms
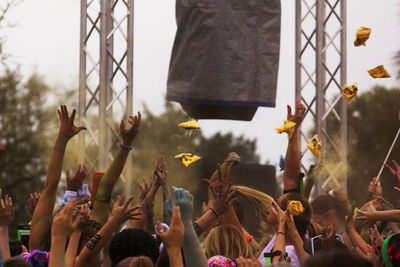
x: 84, y: 230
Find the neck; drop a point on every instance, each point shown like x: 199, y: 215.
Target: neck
x: 338, y: 225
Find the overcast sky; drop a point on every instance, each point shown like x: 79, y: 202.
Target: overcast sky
x: 46, y: 40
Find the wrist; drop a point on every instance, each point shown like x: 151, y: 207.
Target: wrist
x: 124, y: 146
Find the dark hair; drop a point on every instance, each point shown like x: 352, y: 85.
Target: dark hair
x: 394, y: 249
x: 337, y: 202
x: 334, y: 258
x: 15, y: 247
x: 301, y: 221
x: 132, y: 243
x: 16, y: 262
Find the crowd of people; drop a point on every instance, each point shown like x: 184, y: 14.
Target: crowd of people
x: 84, y: 230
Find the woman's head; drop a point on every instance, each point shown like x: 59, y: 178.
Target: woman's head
x: 327, y: 207
x: 228, y: 241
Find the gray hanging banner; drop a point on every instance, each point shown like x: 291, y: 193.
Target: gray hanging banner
x: 226, y: 54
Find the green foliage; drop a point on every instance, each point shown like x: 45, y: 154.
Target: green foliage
x: 25, y: 128
x: 373, y: 120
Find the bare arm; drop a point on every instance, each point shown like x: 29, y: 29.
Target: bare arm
x: 42, y: 216
x: 291, y: 173
x: 194, y: 255
x: 119, y: 215
x: 354, y: 236
x: 385, y: 215
x: 110, y: 178
x: 173, y: 238
x: 72, y: 249
x: 280, y: 241
x: 7, y: 212
x: 308, y: 185
x: 64, y: 224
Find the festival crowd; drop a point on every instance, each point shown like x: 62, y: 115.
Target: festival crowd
x: 87, y: 230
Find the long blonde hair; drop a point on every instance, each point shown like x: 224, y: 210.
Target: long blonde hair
x: 227, y: 240
x: 260, y: 201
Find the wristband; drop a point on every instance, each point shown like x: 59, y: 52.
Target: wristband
x: 125, y: 147
x: 101, y: 198
x: 282, y: 233
x: 215, y: 213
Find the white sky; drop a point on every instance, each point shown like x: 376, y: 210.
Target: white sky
x: 46, y: 40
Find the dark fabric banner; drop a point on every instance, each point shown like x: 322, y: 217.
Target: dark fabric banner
x: 226, y: 53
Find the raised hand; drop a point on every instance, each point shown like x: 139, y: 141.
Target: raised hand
x: 279, y: 215
x: 144, y: 189
x: 81, y: 213
x: 160, y: 171
x: 121, y: 214
x: 328, y: 238
x: 129, y: 134
x: 375, y: 188
x: 32, y: 202
x: 67, y: 126
x: 184, y: 200
x: 298, y: 115
x: 7, y: 211
x: 375, y: 236
x: 173, y: 238
x: 74, y: 182
x: 365, y: 216
x: 64, y: 224
x: 223, y: 196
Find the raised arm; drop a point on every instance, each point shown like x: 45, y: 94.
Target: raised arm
x: 42, y: 216
x: 146, y: 200
x: 192, y: 252
x: 280, y: 241
x: 291, y: 173
x: 64, y: 224
x: 110, y: 178
x: 354, y: 236
x: 373, y: 216
x: 173, y: 238
x: 7, y: 212
x: 162, y: 179
x: 119, y: 215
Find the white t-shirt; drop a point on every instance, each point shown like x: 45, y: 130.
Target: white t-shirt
x: 290, y: 250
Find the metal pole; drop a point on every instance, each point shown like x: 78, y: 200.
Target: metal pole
x: 130, y: 59
x: 82, y: 77
x: 129, y: 91
x: 343, y: 80
x: 320, y: 77
x: 298, y: 50
x: 104, y: 85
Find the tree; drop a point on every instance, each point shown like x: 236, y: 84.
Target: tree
x: 25, y: 129
x: 373, y: 120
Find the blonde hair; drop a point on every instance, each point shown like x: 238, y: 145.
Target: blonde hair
x: 228, y: 241
x: 260, y: 201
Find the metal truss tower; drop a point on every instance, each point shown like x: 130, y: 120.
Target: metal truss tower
x: 105, y: 77
x: 320, y: 72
